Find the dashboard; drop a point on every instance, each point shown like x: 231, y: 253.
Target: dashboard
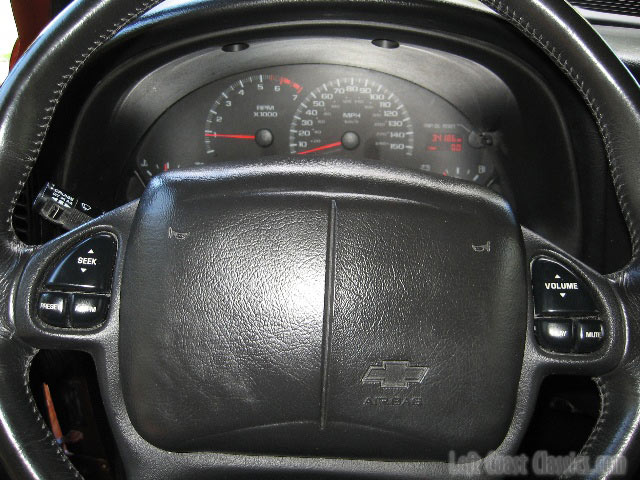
x: 488, y: 110
x: 405, y: 106
x: 317, y: 110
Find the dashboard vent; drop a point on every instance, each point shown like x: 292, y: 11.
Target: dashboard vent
x: 622, y: 7
x: 21, y: 216
x: 27, y: 224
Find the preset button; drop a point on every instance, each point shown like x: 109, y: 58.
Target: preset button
x: 52, y: 309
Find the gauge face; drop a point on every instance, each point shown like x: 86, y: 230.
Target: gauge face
x: 246, y: 119
x: 454, y: 150
x: 355, y: 116
x: 150, y: 168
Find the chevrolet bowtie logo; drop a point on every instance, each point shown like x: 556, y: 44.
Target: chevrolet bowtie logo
x: 395, y: 374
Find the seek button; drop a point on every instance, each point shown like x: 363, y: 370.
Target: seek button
x: 89, y: 266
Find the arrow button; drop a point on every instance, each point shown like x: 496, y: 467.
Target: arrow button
x: 88, y: 266
x: 557, y: 290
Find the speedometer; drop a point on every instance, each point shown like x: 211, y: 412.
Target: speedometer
x: 355, y: 116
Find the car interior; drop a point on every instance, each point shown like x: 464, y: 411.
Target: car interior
x: 322, y: 239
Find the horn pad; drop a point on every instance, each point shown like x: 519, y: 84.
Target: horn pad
x: 324, y: 309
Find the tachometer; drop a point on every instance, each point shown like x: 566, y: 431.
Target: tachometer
x: 245, y: 119
x: 354, y: 116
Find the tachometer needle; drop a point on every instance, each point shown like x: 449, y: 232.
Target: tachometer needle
x: 228, y: 135
x: 324, y: 147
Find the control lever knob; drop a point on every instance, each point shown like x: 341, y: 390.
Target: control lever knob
x: 63, y: 209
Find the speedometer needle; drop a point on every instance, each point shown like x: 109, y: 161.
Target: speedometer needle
x: 228, y: 135
x: 324, y: 147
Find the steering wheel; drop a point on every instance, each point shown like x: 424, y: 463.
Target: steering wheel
x: 282, y: 283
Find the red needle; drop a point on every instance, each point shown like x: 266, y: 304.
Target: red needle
x: 324, y: 147
x: 226, y: 135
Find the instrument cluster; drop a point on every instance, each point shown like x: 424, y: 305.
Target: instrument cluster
x: 316, y: 109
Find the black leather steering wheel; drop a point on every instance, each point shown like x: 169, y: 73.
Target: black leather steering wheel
x: 122, y: 350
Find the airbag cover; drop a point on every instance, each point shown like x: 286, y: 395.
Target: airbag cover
x: 287, y: 310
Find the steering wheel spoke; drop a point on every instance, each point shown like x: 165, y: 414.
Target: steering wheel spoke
x: 576, y: 317
x: 68, y: 287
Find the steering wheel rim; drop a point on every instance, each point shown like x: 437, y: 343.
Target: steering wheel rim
x: 26, y: 446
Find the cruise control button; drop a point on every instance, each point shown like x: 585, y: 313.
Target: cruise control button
x: 89, y: 266
x: 52, y: 308
x: 87, y: 310
x: 556, y: 290
x: 589, y: 335
x: 555, y: 334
